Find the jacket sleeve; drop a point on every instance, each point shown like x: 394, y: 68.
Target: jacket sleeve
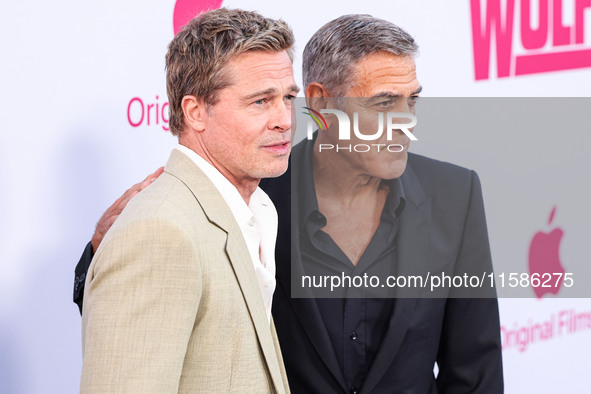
x: 469, y: 356
x: 143, y: 290
x: 80, y: 275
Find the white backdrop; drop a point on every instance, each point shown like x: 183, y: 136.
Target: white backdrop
x: 75, y: 77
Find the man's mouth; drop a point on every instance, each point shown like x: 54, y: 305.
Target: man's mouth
x: 281, y: 147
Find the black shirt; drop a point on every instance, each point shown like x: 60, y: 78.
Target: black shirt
x: 355, y: 323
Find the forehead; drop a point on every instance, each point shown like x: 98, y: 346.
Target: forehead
x: 256, y: 68
x: 382, y: 72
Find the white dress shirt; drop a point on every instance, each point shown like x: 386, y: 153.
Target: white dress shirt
x: 257, y: 221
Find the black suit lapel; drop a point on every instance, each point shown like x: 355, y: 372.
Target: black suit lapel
x: 412, y: 246
x: 289, y: 263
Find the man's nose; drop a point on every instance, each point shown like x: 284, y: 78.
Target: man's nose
x: 281, y: 118
x: 403, y: 104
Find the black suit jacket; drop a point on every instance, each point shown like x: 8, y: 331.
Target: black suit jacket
x: 442, y: 228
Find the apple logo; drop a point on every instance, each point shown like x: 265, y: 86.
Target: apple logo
x: 185, y: 10
x: 544, y: 259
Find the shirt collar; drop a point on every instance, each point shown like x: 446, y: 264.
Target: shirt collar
x: 242, y: 213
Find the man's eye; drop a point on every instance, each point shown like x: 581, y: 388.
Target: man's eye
x: 386, y: 104
x: 290, y: 97
x: 260, y: 101
x: 412, y: 100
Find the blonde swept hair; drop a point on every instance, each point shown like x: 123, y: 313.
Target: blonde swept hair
x: 198, y: 54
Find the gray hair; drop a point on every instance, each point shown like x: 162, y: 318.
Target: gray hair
x: 336, y: 47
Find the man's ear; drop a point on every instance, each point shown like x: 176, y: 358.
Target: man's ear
x: 318, y: 98
x: 194, y: 111
x: 316, y: 95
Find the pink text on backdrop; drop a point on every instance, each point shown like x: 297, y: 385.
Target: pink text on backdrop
x: 140, y: 112
x: 553, y: 46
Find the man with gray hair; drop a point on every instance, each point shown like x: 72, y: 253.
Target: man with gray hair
x: 377, y: 212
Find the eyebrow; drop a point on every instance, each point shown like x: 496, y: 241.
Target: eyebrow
x: 271, y: 91
x: 392, y: 94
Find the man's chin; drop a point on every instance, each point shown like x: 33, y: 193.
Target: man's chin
x: 395, y: 170
x: 274, y: 170
x: 277, y: 173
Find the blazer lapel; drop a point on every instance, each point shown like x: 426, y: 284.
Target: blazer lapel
x: 308, y: 316
x: 412, y: 246
x: 290, y: 268
x: 219, y: 213
x: 242, y: 264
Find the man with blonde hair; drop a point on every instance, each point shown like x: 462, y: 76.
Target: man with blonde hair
x: 178, y: 295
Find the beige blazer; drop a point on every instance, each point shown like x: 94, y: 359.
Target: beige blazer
x: 172, y: 301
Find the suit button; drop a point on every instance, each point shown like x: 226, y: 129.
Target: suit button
x: 354, y: 390
x: 353, y: 336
